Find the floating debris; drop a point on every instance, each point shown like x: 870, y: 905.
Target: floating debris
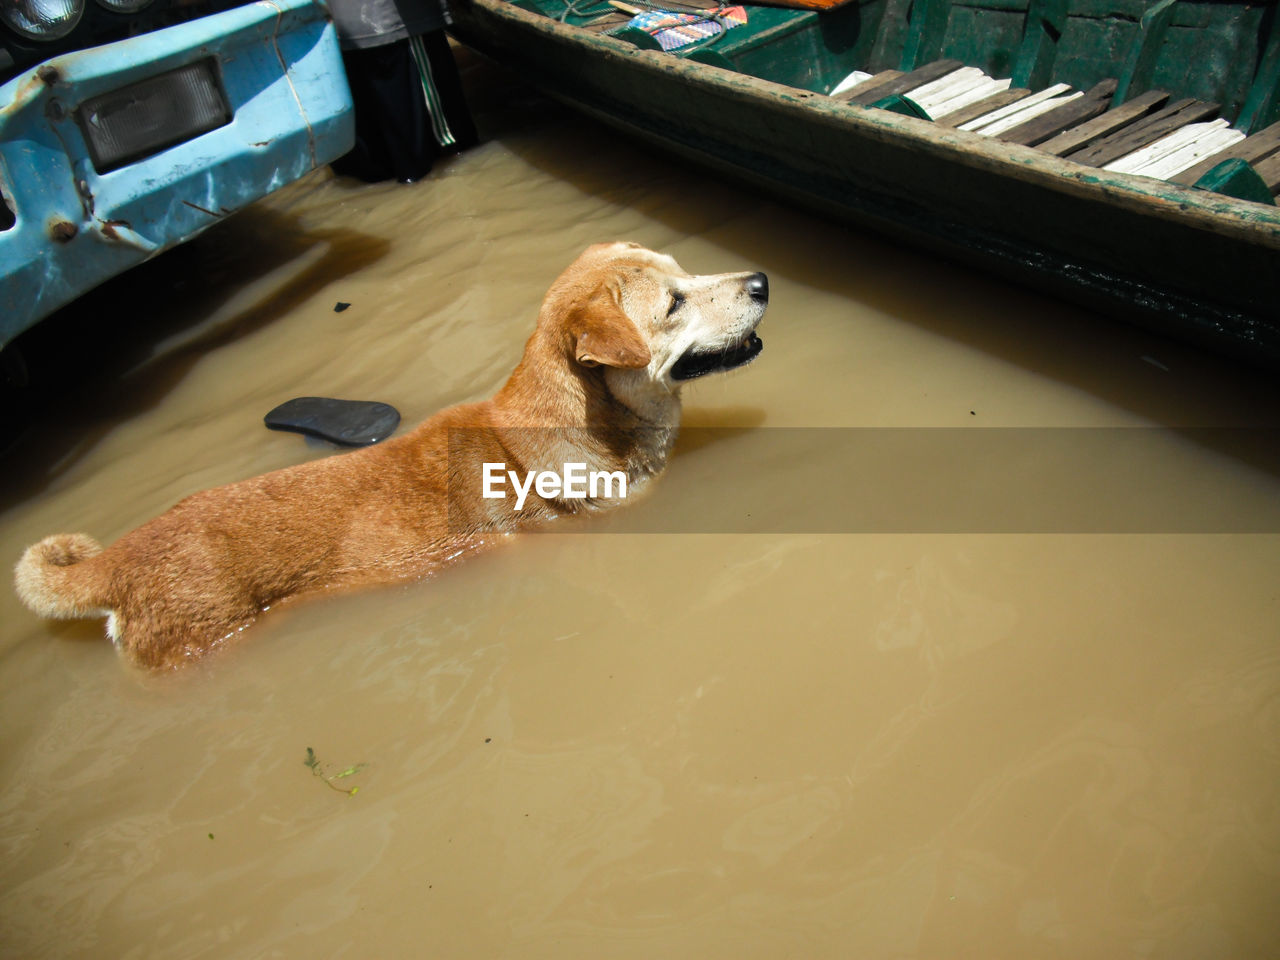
x: 317, y: 770
x: 350, y: 423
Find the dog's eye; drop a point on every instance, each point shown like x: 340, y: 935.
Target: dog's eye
x: 677, y: 300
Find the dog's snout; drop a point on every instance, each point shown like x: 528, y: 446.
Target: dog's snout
x: 758, y: 287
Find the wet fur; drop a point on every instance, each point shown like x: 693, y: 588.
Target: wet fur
x: 596, y: 368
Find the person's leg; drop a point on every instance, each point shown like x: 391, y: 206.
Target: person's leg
x: 454, y: 129
x: 393, y: 127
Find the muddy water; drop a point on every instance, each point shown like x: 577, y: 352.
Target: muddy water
x: 638, y: 745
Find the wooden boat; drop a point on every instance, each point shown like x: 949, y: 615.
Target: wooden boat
x: 1123, y: 154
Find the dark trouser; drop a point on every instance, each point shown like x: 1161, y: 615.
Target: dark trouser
x: 409, y: 108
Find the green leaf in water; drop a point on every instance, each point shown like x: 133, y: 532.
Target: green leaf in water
x: 313, y: 762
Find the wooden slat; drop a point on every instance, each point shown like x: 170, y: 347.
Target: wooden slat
x: 1177, y: 150
x: 1205, y: 144
x: 1019, y: 113
x: 1041, y: 128
x: 1261, y: 145
x: 908, y: 81
x: 1014, y: 113
x: 983, y: 107
x: 1145, y: 131
x: 930, y: 95
x: 849, y: 83
x: 975, y: 94
x: 1104, y: 125
x: 1269, y: 171
x: 875, y: 83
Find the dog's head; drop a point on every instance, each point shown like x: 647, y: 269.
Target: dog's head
x: 638, y: 314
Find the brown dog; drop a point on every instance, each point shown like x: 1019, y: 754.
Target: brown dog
x: 598, y: 389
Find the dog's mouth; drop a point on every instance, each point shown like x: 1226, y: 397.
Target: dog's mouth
x: 697, y: 364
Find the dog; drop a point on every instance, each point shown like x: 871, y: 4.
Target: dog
x: 618, y: 334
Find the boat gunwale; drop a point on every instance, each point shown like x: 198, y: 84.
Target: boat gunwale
x: 1250, y: 222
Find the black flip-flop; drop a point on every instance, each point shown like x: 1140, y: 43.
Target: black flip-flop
x: 349, y: 423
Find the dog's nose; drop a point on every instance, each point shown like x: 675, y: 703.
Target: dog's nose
x: 758, y: 287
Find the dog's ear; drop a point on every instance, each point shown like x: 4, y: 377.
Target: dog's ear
x: 601, y: 333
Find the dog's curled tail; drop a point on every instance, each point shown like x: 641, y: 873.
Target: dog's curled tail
x: 52, y: 582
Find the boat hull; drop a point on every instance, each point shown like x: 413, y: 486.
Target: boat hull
x: 1188, y: 263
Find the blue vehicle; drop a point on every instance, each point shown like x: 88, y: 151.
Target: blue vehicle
x: 129, y: 126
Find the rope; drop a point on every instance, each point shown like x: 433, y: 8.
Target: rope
x: 581, y: 8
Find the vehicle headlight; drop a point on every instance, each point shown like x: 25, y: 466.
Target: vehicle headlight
x: 41, y: 19
x: 125, y: 6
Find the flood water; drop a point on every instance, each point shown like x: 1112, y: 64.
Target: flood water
x: 613, y: 743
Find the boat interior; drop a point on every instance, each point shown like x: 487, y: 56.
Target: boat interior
x: 1186, y: 91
